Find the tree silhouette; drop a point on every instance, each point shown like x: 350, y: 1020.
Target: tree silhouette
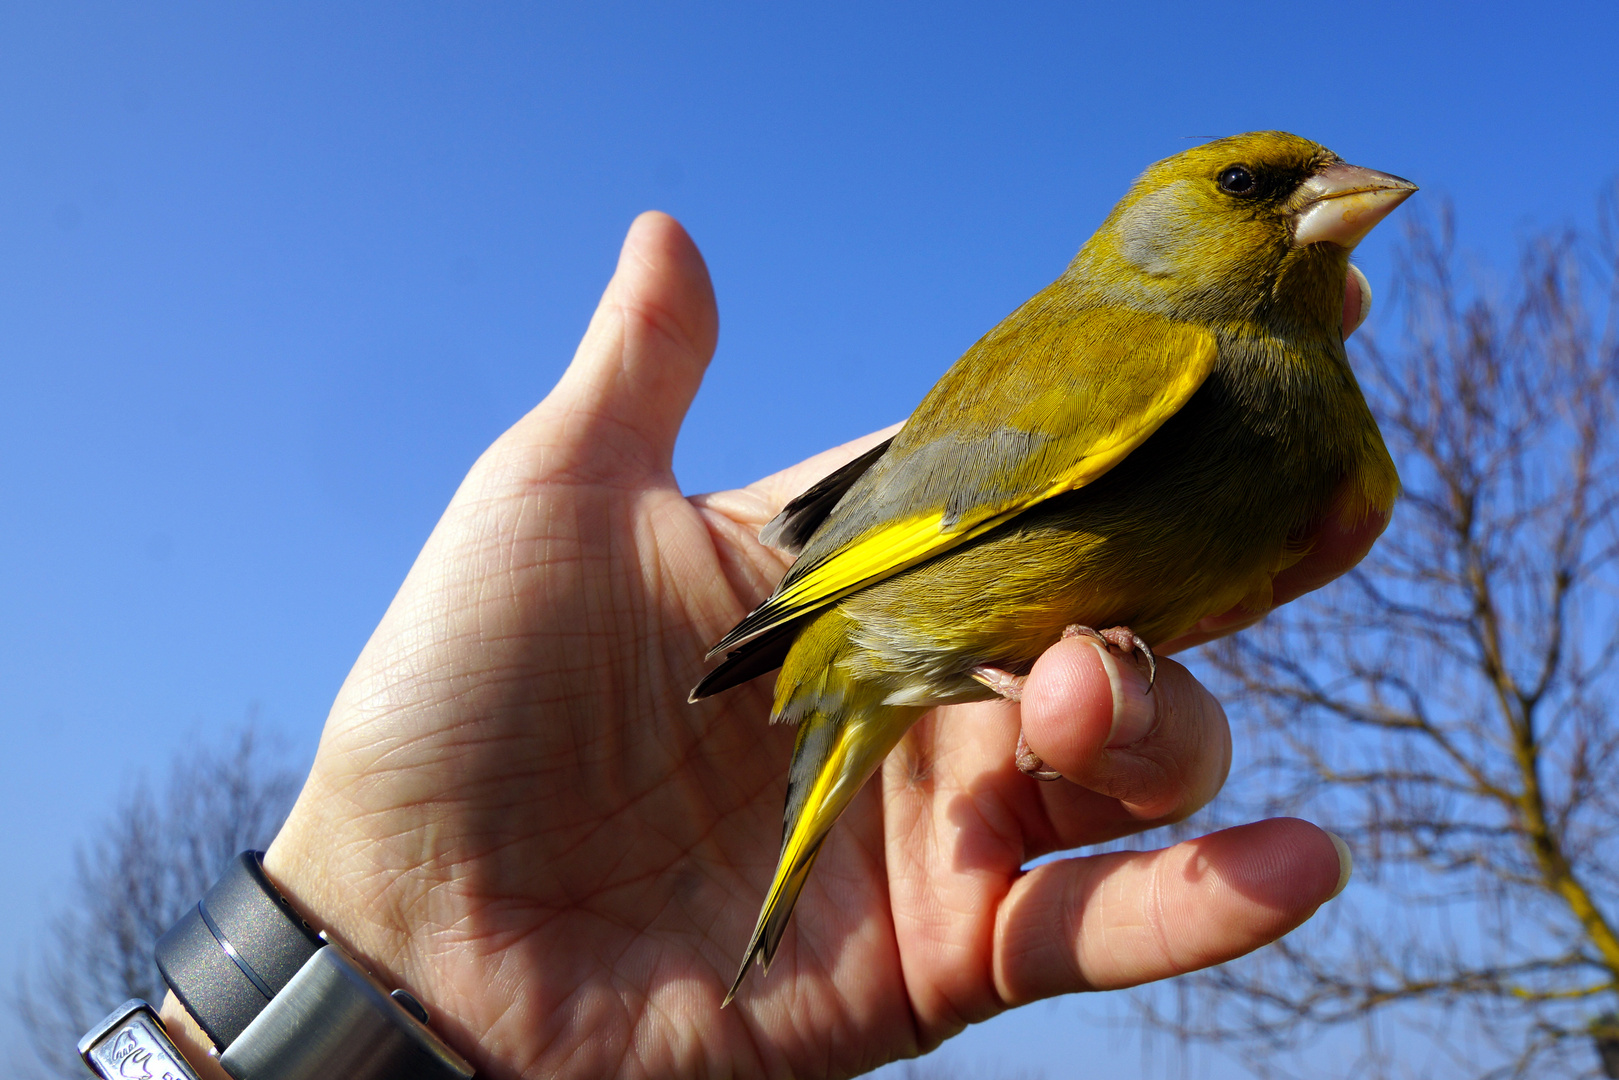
x: 154, y: 857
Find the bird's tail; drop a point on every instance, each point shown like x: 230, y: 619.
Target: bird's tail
x: 832, y: 759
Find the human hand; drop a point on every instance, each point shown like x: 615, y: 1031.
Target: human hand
x: 515, y: 814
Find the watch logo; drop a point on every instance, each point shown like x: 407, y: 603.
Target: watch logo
x: 134, y: 1060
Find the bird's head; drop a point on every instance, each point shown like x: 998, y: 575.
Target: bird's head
x: 1254, y: 227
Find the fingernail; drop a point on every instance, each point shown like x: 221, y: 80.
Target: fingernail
x: 1346, y: 863
x: 1135, y: 711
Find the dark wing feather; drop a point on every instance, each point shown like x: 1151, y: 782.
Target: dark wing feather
x: 764, y: 653
x: 788, y: 530
x: 791, y: 529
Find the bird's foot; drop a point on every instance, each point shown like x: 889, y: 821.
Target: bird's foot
x: 1029, y: 763
x: 1010, y: 687
x: 1119, y: 640
x: 1004, y: 683
x: 1123, y: 642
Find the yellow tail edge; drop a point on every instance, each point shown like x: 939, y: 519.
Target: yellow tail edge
x: 858, y: 749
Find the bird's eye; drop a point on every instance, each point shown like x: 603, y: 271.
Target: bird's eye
x: 1237, y: 180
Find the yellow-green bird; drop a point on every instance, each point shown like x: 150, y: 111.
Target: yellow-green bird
x: 1142, y: 444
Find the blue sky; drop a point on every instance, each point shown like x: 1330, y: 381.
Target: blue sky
x: 271, y: 276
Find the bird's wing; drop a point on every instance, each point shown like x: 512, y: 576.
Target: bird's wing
x: 791, y: 529
x: 1043, y: 404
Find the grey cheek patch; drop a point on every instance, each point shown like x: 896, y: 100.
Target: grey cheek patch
x: 1157, y: 230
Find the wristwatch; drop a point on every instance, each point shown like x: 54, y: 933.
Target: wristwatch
x: 278, y: 1000
x: 131, y: 1041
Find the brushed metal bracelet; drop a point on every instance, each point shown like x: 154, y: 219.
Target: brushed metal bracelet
x: 278, y: 1000
x: 131, y: 1041
x: 334, y: 1019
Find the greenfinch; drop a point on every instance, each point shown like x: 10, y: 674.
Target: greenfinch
x: 1146, y: 442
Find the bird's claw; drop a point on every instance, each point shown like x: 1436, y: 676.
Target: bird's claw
x: 1004, y: 683
x: 1121, y: 641
x: 1010, y: 687
x: 1029, y: 763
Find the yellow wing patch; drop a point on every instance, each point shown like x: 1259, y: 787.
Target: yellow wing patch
x: 903, y: 543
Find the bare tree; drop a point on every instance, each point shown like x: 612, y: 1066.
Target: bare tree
x: 154, y: 857
x: 1450, y: 707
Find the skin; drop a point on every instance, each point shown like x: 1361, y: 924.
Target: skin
x: 515, y: 814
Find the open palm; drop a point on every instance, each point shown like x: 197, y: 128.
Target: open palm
x: 515, y: 813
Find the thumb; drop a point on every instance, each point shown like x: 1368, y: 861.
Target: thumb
x: 1088, y: 713
x: 1357, y: 300
x: 619, y: 406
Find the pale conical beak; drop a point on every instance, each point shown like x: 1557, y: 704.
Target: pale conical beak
x: 1341, y: 203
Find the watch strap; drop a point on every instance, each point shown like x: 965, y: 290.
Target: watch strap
x: 228, y: 956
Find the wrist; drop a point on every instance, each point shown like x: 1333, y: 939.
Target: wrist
x: 358, y: 905
x: 384, y: 905
x: 256, y: 992
x: 188, y: 1038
